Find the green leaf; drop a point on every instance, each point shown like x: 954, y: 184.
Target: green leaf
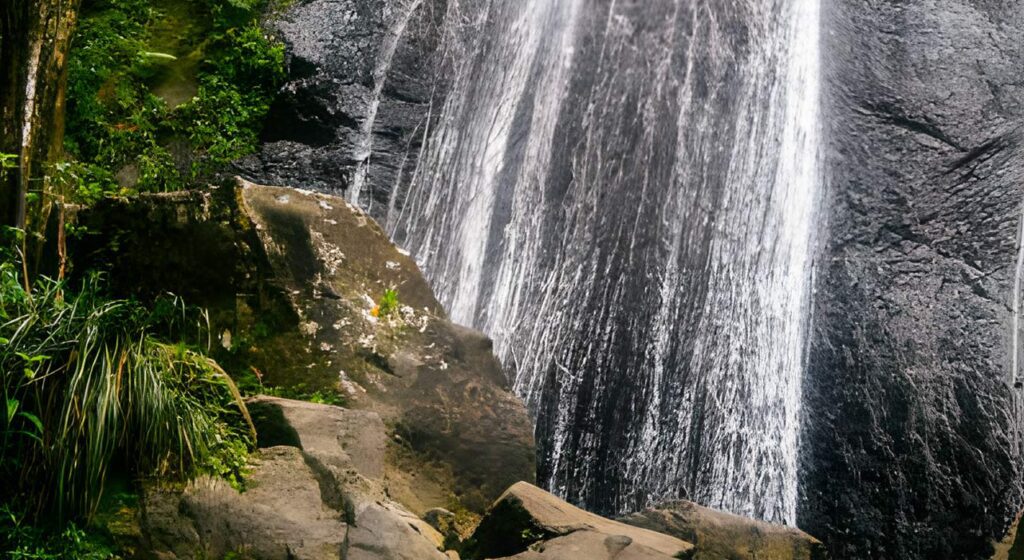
x: 32, y: 359
x: 34, y: 420
x: 12, y: 409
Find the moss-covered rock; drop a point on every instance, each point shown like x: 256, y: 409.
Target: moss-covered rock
x: 293, y: 283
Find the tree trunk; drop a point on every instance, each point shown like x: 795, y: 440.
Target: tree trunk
x: 34, y: 39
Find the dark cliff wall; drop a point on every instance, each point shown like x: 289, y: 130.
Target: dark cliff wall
x: 352, y: 100
x: 911, y: 442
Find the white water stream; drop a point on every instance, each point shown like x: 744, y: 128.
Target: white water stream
x: 622, y: 195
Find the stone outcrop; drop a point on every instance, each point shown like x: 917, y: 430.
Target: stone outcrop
x: 911, y: 444
x: 527, y: 522
x: 293, y: 282
x: 717, y: 535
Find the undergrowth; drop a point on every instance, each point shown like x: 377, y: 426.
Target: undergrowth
x: 123, y: 134
x: 89, y: 383
x: 23, y: 540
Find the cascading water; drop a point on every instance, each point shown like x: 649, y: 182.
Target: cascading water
x: 621, y: 194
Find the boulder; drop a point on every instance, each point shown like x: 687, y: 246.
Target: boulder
x: 318, y: 493
x: 723, y: 536
x: 384, y: 532
x: 338, y: 437
x: 281, y: 515
x: 438, y: 383
x: 293, y: 282
x: 527, y: 522
x: 592, y: 545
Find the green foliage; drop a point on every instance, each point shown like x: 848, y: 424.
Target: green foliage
x: 301, y: 393
x: 118, y: 125
x: 7, y: 163
x: 84, y: 182
x: 20, y: 540
x: 530, y: 535
x: 388, y: 303
x: 252, y: 384
x: 87, y: 384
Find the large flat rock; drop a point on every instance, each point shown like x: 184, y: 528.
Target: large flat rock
x: 281, y: 515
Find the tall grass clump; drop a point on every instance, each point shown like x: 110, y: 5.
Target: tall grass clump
x: 92, y: 384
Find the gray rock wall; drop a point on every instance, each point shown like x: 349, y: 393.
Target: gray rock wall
x: 363, y: 76
x: 911, y: 443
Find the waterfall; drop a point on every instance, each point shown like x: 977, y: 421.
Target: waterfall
x: 621, y: 194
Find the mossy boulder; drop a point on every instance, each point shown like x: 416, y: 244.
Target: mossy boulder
x: 293, y: 282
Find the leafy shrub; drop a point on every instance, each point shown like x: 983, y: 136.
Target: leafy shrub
x: 7, y: 162
x: 87, y: 384
x: 21, y: 540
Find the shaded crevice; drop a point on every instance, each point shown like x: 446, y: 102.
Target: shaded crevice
x: 331, y: 493
x: 979, y: 155
x: 891, y: 114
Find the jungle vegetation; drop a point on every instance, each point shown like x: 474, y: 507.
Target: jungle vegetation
x: 112, y: 98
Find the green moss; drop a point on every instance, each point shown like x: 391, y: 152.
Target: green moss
x: 164, y: 93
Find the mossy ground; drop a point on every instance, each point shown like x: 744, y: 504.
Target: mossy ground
x: 162, y: 94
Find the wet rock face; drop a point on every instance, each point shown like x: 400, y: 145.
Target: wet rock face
x: 363, y: 75
x: 911, y: 444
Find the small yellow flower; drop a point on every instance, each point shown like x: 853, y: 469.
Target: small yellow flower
x: 375, y: 311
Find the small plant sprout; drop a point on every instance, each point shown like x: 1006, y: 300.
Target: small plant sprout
x: 388, y: 304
